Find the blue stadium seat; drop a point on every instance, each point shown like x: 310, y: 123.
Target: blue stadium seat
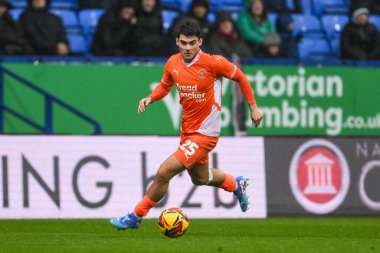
x: 272, y: 18
x: 172, y: 3
x: 307, y: 25
x: 290, y: 4
x: 211, y: 16
x: 69, y: 18
x: 19, y: 3
x: 330, y: 6
x: 214, y: 5
x: 307, y: 7
x: 374, y: 19
x: 64, y: 4
x: 334, y: 24
x: 16, y: 13
x: 235, y: 15
x: 185, y: 5
x: 168, y: 17
x: 89, y: 19
x: 228, y: 5
x: 77, y: 43
x: 335, y: 46
x: 308, y: 48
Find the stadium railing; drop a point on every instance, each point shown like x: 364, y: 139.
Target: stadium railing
x: 50, y: 99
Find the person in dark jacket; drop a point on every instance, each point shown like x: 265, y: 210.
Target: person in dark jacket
x: 116, y: 32
x: 225, y: 40
x: 281, y: 6
x: 44, y: 31
x: 96, y: 4
x: 12, y: 39
x: 151, y: 41
x: 360, y: 39
x: 198, y: 11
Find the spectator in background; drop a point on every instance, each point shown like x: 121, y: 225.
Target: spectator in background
x: 197, y: 13
x: 44, y: 31
x: 372, y: 5
x: 360, y: 39
x: 96, y: 4
x: 254, y: 24
x: 151, y: 41
x: 271, y: 48
x: 284, y: 26
x: 12, y: 39
x: 199, y: 10
x: 116, y: 31
x: 225, y: 40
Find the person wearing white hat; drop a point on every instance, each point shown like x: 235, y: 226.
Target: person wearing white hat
x: 360, y: 39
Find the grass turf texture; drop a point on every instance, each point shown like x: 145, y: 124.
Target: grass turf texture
x: 225, y: 235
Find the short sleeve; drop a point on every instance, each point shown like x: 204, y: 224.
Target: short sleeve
x: 223, y: 67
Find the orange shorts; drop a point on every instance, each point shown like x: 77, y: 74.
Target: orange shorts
x: 194, y: 148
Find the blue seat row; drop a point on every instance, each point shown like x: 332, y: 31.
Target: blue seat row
x: 64, y: 4
x: 316, y: 7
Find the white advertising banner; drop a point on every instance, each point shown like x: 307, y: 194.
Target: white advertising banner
x: 102, y: 177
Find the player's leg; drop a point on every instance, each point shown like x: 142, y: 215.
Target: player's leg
x: 168, y: 169
x: 156, y: 191
x: 201, y: 174
x: 193, y: 154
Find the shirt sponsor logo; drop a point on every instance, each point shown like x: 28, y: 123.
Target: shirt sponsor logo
x: 191, y: 92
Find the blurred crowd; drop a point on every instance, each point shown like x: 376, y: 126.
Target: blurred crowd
x: 135, y: 28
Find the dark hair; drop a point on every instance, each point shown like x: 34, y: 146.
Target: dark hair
x: 189, y: 28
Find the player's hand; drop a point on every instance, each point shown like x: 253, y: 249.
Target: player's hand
x: 256, y: 115
x: 144, y: 103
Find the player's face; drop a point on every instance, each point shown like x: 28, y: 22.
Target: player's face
x: 188, y: 46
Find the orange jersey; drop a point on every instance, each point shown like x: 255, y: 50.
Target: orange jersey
x: 199, y: 85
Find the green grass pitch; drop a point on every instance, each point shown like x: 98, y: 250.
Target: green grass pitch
x: 340, y: 235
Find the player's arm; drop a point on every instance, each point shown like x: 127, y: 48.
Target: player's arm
x: 255, y: 112
x: 162, y: 89
x: 225, y: 68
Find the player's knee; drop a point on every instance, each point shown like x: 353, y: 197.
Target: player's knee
x: 199, y: 180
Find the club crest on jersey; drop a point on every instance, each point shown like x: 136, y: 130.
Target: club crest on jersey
x: 202, y: 73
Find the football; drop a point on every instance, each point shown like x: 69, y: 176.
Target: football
x: 173, y: 222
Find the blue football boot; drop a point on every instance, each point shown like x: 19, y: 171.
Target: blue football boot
x: 240, y: 192
x: 128, y: 221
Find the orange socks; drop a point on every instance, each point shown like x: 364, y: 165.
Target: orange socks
x: 144, y: 206
x: 229, y: 183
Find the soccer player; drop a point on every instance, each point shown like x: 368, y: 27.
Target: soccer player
x: 197, y: 76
